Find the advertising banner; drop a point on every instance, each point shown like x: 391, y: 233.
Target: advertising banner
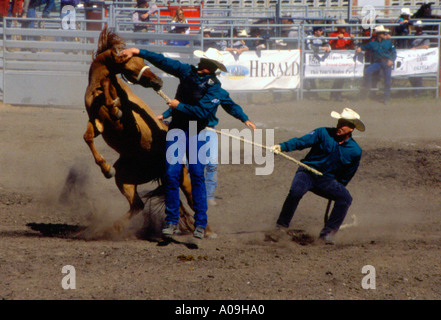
x: 257, y: 70
x: 416, y: 61
x: 334, y: 64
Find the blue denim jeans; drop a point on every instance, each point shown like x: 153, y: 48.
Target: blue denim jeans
x: 211, y: 180
x: 184, y: 146
x: 323, y: 186
x: 48, y: 7
x: 370, y: 71
x: 211, y: 167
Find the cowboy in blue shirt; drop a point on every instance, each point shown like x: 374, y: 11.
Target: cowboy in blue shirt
x: 337, y: 156
x: 211, y: 168
x: 383, y: 55
x: 197, y: 98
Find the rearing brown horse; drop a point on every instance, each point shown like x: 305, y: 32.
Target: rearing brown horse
x: 127, y: 124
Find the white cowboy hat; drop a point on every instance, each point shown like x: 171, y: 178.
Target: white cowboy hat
x: 381, y: 29
x: 350, y: 116
x: 208, y: 29
x: 340, y: 21
x: 213, y: 55
x: 243, y: 33
x: 405, y: 11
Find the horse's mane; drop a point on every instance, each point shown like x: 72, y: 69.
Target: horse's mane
x: 109, y: 40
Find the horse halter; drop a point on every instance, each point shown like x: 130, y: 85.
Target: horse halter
x: 138, y: 77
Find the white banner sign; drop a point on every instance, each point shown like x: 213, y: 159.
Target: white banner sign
x: 416, y: 61
x: 267, y: 69
x: 335, y: 64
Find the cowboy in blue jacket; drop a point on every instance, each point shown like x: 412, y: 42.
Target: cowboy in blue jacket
x: 383, y: 55
x: 337, y: 156
x: 198, y: 96
x: 211, y: 168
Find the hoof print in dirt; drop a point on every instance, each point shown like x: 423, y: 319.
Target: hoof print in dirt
x: 58, y: 230
x: 301, y: 237
x: 189, y: 243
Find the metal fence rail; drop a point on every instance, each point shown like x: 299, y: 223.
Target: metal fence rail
x: 52, y: 64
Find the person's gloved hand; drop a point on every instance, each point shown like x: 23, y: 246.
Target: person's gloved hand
x: 276, y: 148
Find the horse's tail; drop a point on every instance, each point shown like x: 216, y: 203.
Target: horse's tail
x: 109, y: 40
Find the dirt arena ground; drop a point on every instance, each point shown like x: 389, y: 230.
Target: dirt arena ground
x: 397, y: 206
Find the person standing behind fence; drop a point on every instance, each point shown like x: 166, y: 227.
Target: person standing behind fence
x: 383, y: 54
x: 419, y: 42
x: 256, y: 44
x: 340, y: 43
x: 30, y: 6
x: 4, y: 8
x: 141, y: 16
x: 11, y: 9
x: 317, y: 44
x: 238, y: 46
x: 179, y: 18
x: 29, y: 12
x: 402, y: 29
x: 208, y: 42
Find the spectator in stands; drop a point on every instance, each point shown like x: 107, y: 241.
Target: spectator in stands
x: 12, y: 8
x: 419, y: 42
x: 403, y: 28
x: 256, y: 44
x: 208, y: 43
x: 383, y: 56
x: 4, y: 8
x: 289, y: 33
x: 238, y: 45
x: 343, y: 41
x: 370, y: 32
x: 264, y: 32
x: 318, y: 44
x: 31, y: 4
x: 179, y: 18
x: 29, y: 12
x: 141, y: 15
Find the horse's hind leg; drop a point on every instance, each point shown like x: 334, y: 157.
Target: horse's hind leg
x: 89, y: 136
x: 136, y: 205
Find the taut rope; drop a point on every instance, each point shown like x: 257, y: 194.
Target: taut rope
x: 167, y: 99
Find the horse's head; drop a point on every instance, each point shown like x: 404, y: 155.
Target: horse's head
x: 134, y: 70
x: 425, y: 11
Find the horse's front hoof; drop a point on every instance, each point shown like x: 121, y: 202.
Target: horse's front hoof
x: 118, y: 226
x: 211, y: 235
x: 110, y: 173
x: 119, y: 114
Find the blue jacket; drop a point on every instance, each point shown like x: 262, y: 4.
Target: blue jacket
x: 227, y: 104
x: 199, y: 96
x: 380, y: 50
x: 339, y: 161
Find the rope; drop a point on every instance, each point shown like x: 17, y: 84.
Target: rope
x: 163, y: 95
x: 269, y: 148
x: 167, y: 99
